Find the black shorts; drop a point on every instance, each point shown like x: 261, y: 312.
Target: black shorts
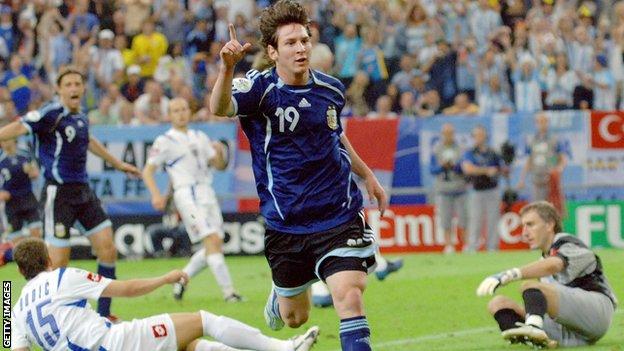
x: 21, y: 211
x: 297, y: 260
x: 70, y: 205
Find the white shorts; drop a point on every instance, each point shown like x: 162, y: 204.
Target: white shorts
x: 200, y: 212
x: 155, y: 333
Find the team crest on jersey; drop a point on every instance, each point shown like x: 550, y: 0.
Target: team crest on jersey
x: 59, y: 230
x: 80, y: 124
x: 159, y: 330
x: 242, y: 85
x: 94, y: 277
x: 332, y: 117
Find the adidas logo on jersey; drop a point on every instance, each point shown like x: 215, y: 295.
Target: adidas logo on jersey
x: 304, y: 103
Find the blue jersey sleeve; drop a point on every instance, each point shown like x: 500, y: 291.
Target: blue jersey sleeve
x: 42, y: 120
x: 247, y: 93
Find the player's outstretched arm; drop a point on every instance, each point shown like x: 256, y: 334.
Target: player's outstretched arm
x: 139, y: 287
x: 231, y: 53
x: 373, y: 188
x: 537, y: 269
x: 96, y: 147
x: 159, y: 202
x: 13, y: 130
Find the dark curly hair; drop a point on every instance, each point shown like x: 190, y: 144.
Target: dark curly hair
x: 281, y: 13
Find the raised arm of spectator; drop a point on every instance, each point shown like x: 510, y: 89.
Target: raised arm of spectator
x: 231, y: 53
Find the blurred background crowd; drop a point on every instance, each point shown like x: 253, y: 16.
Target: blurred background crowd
x: 410, y: 58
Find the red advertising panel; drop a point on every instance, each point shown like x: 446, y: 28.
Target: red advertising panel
x: 607, y: 130
x: 413, y: 228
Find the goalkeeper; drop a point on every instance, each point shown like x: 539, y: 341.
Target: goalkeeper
x: 572, y: 304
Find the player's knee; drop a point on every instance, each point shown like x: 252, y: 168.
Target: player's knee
x: 498, y: 303
x: 296, y: 318
x: 348, y: 301
x: 531, y: 284
x: 107, y: 252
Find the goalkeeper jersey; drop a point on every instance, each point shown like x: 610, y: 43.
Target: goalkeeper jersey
x: 301, y: 168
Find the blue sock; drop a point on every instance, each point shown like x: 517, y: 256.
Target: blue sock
x: 355, y: 334
x: 106, y: 270
x: 8, y: 255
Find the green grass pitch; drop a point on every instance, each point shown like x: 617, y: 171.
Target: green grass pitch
x: 429, y: 305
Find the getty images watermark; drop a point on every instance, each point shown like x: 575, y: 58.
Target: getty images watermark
x: 6, y: 314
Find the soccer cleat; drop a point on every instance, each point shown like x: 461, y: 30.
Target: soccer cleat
x: 271, y: 312
x: 392, y: 267
x: 305, y: 341
x: 4, y: 247
x: 178, y: 291
x: 234, y: 297
x: 322, y: 301
x: 448, y: 250
x: 529, y: 335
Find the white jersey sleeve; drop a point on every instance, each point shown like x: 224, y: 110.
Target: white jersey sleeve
x: 206, y: 144
x: 78, y: 282
x: 159, y: 152
x: 19, y: 339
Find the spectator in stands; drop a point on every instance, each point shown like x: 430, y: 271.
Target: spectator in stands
x: 393, y: 36
x: 467, y: 66
x: 383, y: 109
x: 417, y: 26
x: 222, y: 8
x: 407, y: 105
x: 7, y: 30
x: 545, y: 158
x: 527, y: 92
x: 370, y: 60
x: 347, y: 47
x: 174, y: 64
x: 560, y: 83
x: 492, y: 99
x: 199, y: 39
x: 581, y: 52
x: 133, y: 88
x: 402, y: 79
x: 441, y: 70
x: 126, y: 115
x: 107, y: 60
x: 483, y: 166
x: 484, y: 19
x: 80, y: 20
x: 148, y: 48
x: 102, y: 114
x: 583, y: 95
x: 355, y: 102
x: 17, y: 80
x: 321, y: 57
x: 462, y: 106
x: 172, y: 19
x: 151, y: 107
x: 428, y: 104
x: 603, y: 85
x: 138, y: 12
x: 450, y: 183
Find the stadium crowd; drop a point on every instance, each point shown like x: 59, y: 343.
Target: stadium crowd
x: 396, y: 58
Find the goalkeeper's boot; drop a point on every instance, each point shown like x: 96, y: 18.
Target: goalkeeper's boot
x: 529, y: 335
x: 392, y: 267
x: 272, y: 313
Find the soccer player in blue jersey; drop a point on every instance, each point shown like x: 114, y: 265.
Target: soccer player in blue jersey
x: 302, y: 163
x: 21, y: 208
x: 61, y: 133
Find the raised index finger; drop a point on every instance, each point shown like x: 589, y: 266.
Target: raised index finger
x: 232, y: 31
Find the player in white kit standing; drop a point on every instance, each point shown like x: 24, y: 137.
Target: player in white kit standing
x: 189, y: 157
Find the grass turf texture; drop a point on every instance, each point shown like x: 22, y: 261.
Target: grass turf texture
x: 429, y: 305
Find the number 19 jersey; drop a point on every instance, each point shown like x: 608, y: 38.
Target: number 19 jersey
x: 302, y: 170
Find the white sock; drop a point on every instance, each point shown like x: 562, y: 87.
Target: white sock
x: 206, y: 345
x: 240, y: 335
x: 320, y: 289
x: 534, y: 320
x: 196, y: 264
x: 219, y: 269
x: 382, y: 264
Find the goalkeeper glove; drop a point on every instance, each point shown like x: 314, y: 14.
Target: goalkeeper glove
x: 491, y: 283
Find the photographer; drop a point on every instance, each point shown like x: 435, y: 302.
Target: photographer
x: 483, y: 166
x: 450, y: 184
